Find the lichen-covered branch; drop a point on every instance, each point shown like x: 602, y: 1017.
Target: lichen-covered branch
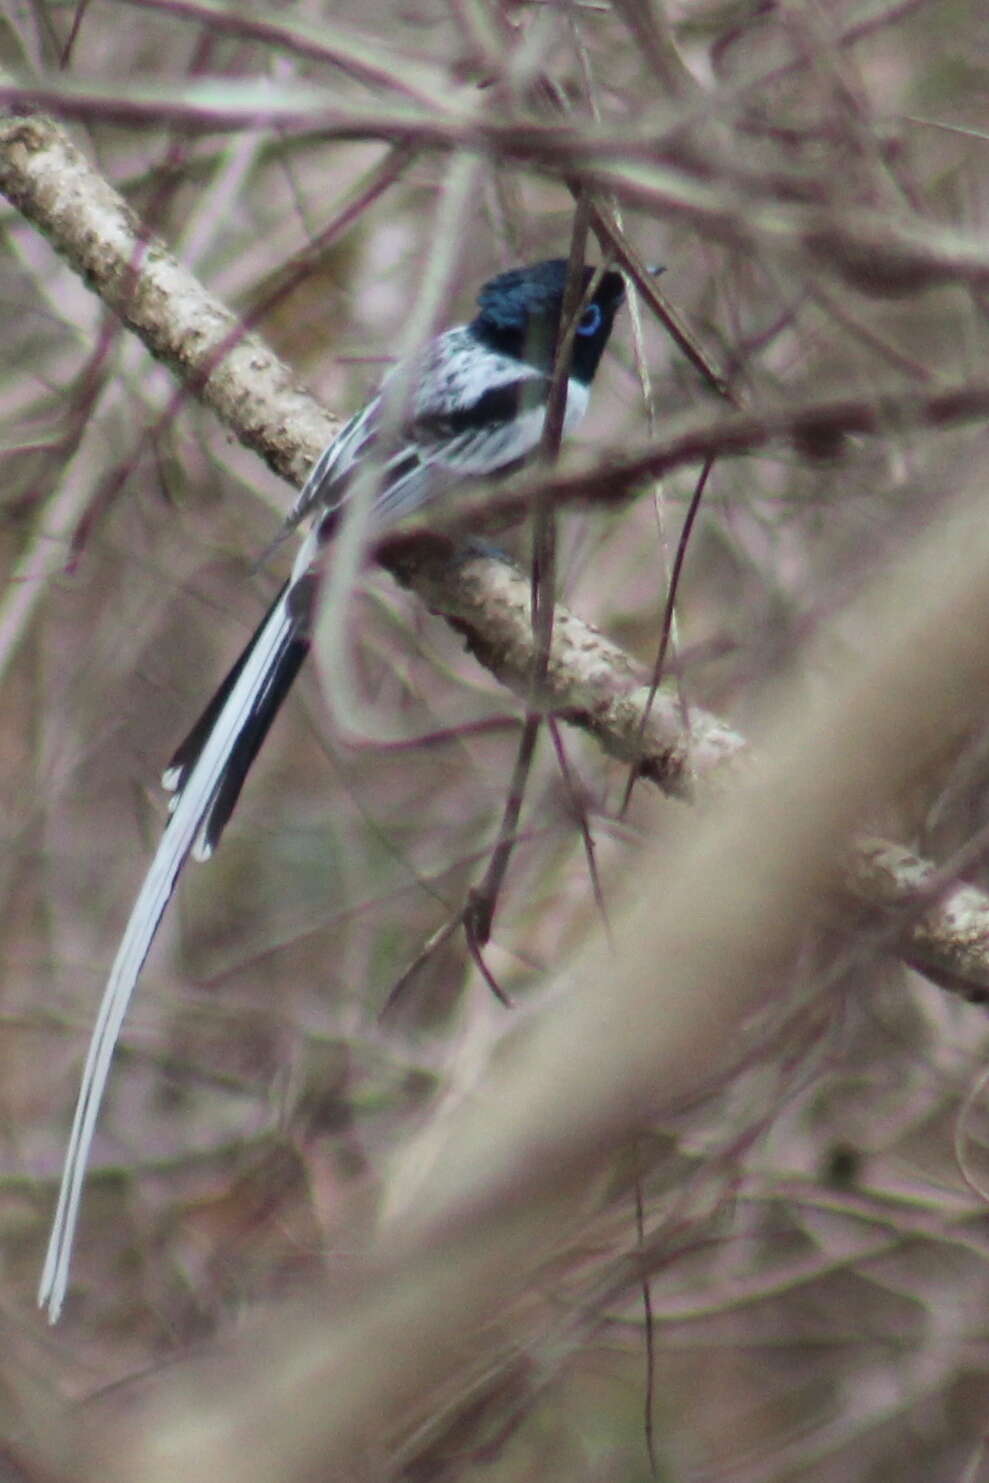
x: 590, y: 681
x: 91, y: 226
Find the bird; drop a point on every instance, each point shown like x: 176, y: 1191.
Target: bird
x: 470, y: 404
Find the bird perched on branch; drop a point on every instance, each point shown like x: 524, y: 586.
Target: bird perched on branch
x: 470, y: 405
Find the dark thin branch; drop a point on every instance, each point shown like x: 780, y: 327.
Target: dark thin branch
x: 666, y: 632
x: 611, y: 480
x: 483, y: 900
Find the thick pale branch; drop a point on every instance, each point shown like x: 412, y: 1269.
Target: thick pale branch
x: 590, y: 681
x: 595, y: 685
x: 90, y: 225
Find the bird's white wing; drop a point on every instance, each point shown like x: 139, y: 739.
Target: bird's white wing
x: 474, y: 412
x: 334, y: 468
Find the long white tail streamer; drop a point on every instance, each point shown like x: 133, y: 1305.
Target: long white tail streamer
x: 191, y: 808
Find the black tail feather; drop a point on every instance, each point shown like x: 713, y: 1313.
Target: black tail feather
x: 249, y: 741
x: 294, y: 603
x: 186, y: 754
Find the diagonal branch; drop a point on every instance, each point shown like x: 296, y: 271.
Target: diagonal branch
x: 589, y: 681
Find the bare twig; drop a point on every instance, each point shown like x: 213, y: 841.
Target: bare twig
x: 815, y: 424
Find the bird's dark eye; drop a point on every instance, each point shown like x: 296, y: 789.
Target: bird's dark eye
x: 590, y: 321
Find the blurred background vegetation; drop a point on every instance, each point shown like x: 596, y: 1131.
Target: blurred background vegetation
x: 818, y: 1280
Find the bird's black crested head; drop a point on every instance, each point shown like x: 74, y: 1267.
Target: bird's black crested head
x: 520, y: 315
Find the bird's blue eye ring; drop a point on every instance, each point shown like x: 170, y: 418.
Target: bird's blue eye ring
x: 590, y: 321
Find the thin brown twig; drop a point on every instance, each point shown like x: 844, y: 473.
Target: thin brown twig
x: 583, y: 823
x: 666, y: 631
x: 649, y: 1331
x: 810, y: 425
x: 331, y: 42
x: 482, y: 899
